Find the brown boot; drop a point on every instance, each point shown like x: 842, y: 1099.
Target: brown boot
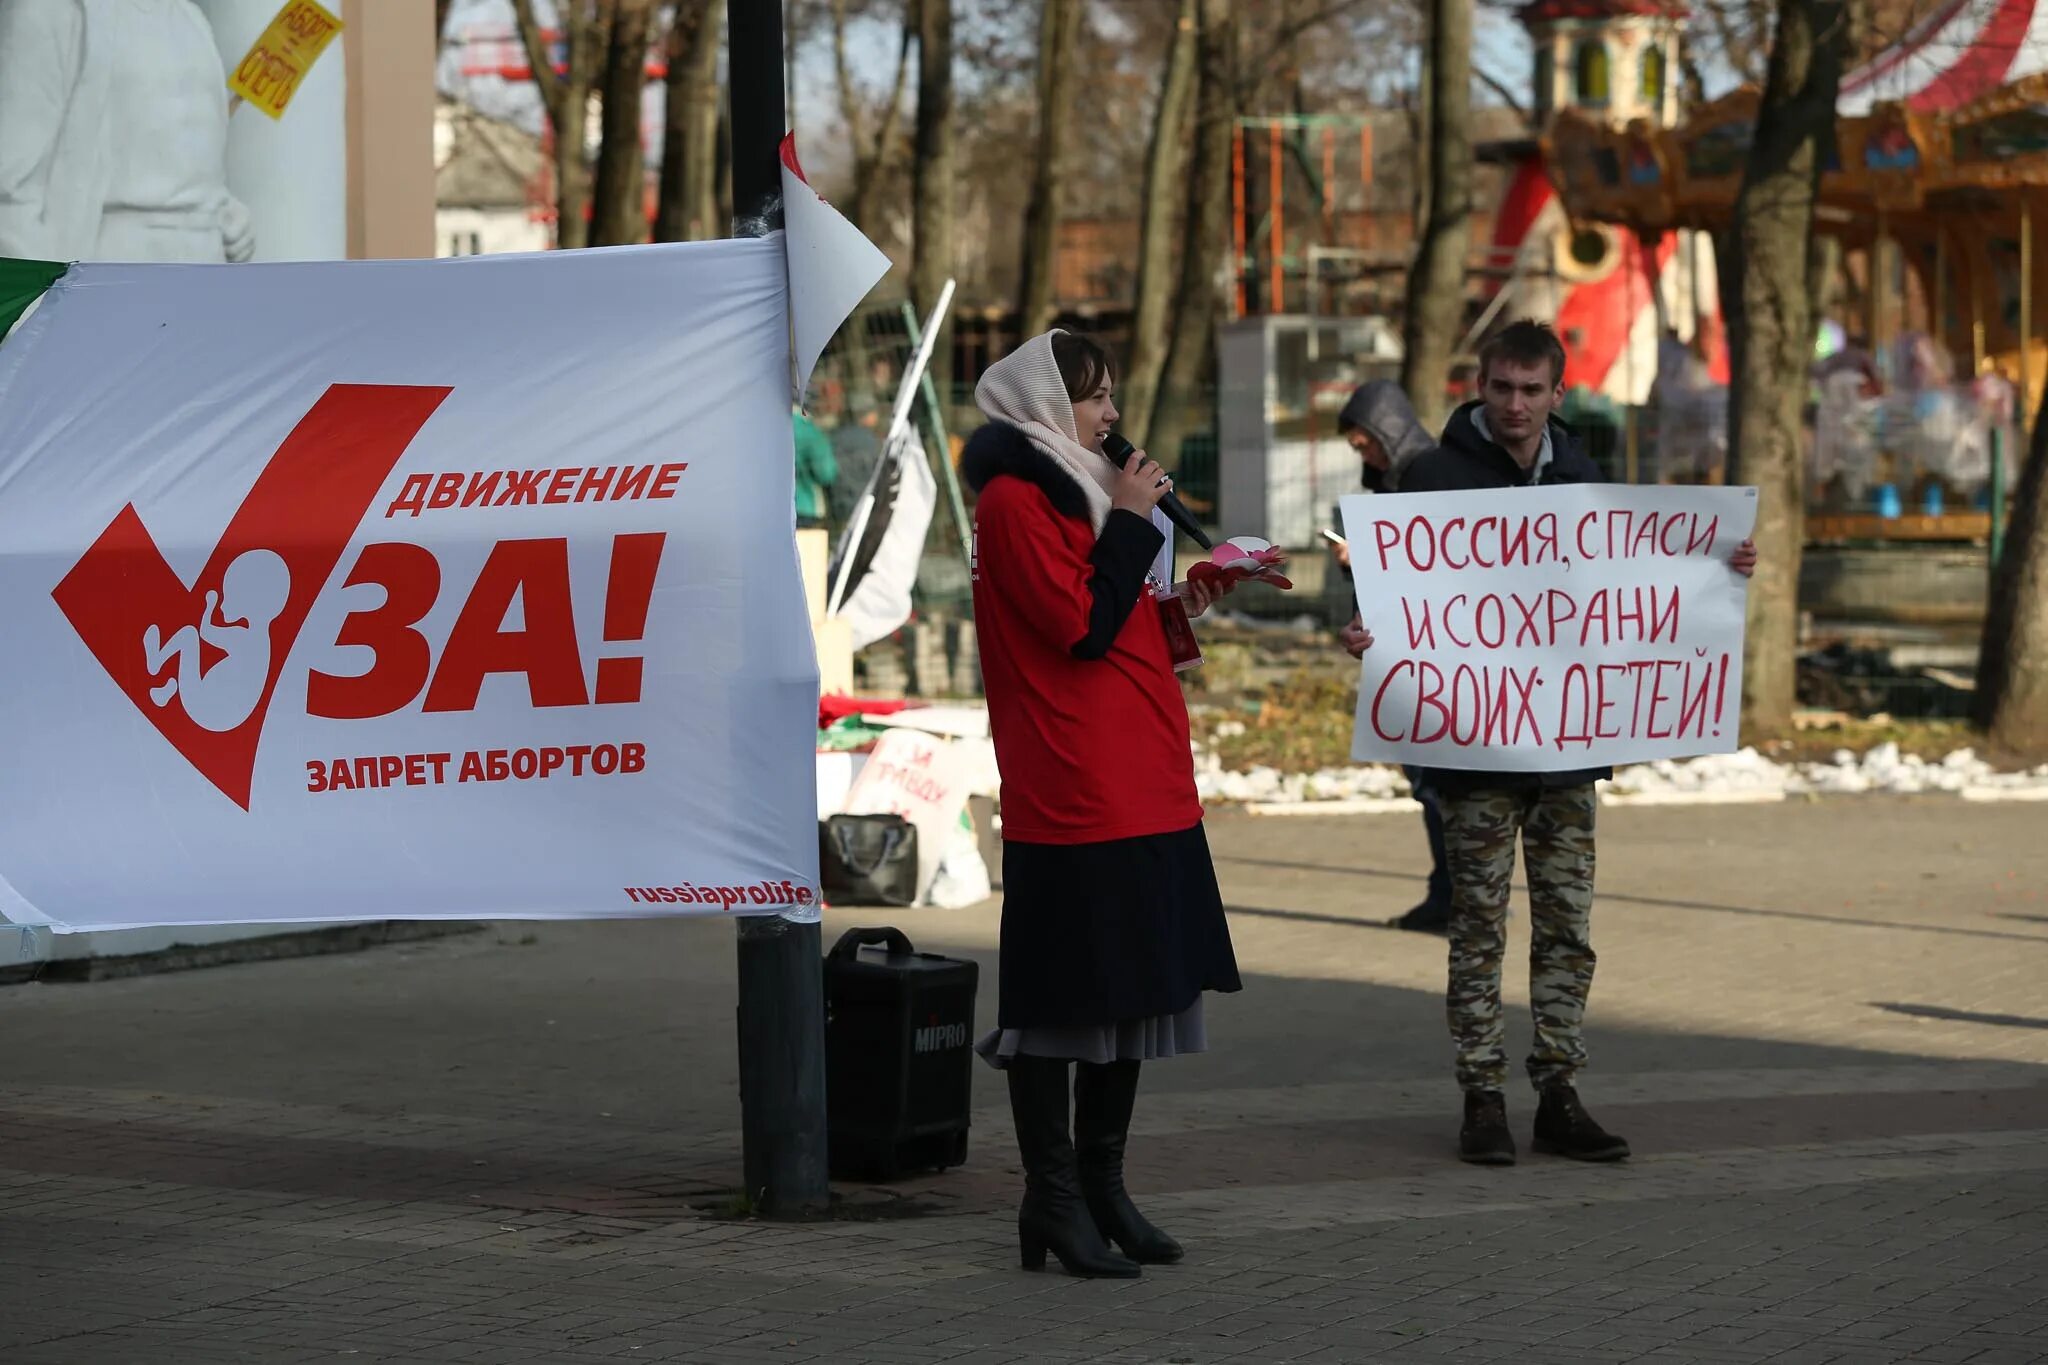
x: 1564, y: 1128
x: 1485, y: 1139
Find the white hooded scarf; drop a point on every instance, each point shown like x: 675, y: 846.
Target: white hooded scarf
x: 1024, y: 389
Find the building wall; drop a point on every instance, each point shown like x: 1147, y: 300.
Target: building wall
x: 460, y: 231
x: 389, y: 53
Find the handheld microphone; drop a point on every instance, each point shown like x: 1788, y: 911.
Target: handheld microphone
x: 1119, y: 452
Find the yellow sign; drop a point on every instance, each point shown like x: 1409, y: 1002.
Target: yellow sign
x: 269, y: 76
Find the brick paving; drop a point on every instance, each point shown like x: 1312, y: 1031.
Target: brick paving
x: 1821, y: 1024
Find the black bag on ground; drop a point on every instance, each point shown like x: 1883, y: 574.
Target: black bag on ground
x: 868, y: 859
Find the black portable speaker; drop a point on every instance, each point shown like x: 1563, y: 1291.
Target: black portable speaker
x: 899, y: 1056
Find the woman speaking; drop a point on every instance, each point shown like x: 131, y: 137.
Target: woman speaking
x: 1112, y: 923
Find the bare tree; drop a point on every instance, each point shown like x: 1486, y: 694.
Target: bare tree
x: 565, y: 96
x: 932, y: 192
x: 1769, y: 304
x: 1738, y: 33
x: 1059, y: 31
x: 1505, y: 93
x: 873, y: 150
x: 1208, y: 225
x: 620, y: 197
x: 1436, y: 281
x: 1165, y: 159
x: 687, y: 208
x: 2012, y: 666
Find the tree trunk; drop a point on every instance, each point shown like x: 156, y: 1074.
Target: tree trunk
x: 1191, y: 355
x: 1058, y: 33
x: 721, y: 166
x: 620, y: 196
x: 565, y: 95
x: 1436, y: 281
x: 932, y: 193
x: 1417, y: 117
x: 2012, y: 668
x: 872, y: 156
x: 1165, y: 162
x: 1770, y: 335
x: 688, y: 205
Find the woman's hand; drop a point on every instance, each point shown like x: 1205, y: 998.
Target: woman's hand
x: 1355, y: 638
x: 1140, y: 486
x: 1743, y: 561
x: 1197, y: 596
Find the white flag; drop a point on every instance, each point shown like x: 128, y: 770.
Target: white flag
x: 885, y: 562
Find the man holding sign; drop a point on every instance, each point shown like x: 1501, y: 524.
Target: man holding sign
x: 1515, y: 680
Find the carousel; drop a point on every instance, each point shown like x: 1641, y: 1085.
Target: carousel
x: 1931, y: 362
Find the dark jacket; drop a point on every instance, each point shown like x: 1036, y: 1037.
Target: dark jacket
x: 1468, y: 460
x: 1382, y: 411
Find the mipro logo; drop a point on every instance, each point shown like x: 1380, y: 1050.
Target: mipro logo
x: 938, y: 1037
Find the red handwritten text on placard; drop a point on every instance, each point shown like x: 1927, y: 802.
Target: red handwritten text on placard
x: 1550, y: 628
x: 1427, y: 544
x: 1644, y: 614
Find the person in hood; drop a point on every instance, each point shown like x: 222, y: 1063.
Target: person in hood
x: 1112, y: 925
x: 1512, y: 438
x: 1380, y: 424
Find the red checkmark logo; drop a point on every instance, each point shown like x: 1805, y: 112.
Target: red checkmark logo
x: 201, y: 660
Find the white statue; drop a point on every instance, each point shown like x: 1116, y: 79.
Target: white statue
x: 113, y: 134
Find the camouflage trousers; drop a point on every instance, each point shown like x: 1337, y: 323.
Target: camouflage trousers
x: 1555, y: 826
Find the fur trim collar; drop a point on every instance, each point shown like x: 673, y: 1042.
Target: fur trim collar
x: 999, y: 448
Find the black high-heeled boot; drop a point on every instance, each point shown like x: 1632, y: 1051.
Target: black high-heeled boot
x: 1053, y: 1216
x: 1103, y: 1097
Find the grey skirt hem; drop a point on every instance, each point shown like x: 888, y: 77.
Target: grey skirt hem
x: 1150, y: 1039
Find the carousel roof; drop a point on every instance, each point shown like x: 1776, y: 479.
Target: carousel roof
x: 1550, y: 11
x: 1964, y: 49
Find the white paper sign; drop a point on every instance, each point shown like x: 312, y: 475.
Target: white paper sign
x: 403, y: 589
x: 1543, y: 629
x: 924, y: 779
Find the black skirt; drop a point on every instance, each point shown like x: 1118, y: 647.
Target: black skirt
x: 1095, y: 933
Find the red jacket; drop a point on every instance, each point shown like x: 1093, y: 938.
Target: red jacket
x: 1090, y: 729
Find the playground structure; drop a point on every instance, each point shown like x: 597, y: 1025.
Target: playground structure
x: 1323, y: 217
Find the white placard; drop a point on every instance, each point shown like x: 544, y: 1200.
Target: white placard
x: 923, y: 778
x: 1546, y: 629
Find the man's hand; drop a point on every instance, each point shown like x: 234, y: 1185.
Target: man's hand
x: 1743, y: 561
x: 1340, y: 550
x: 1355, y: 638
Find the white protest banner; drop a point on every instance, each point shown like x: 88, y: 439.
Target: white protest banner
x: 1542, y: 629
x: 405, y: 589
x: 925, y: 779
